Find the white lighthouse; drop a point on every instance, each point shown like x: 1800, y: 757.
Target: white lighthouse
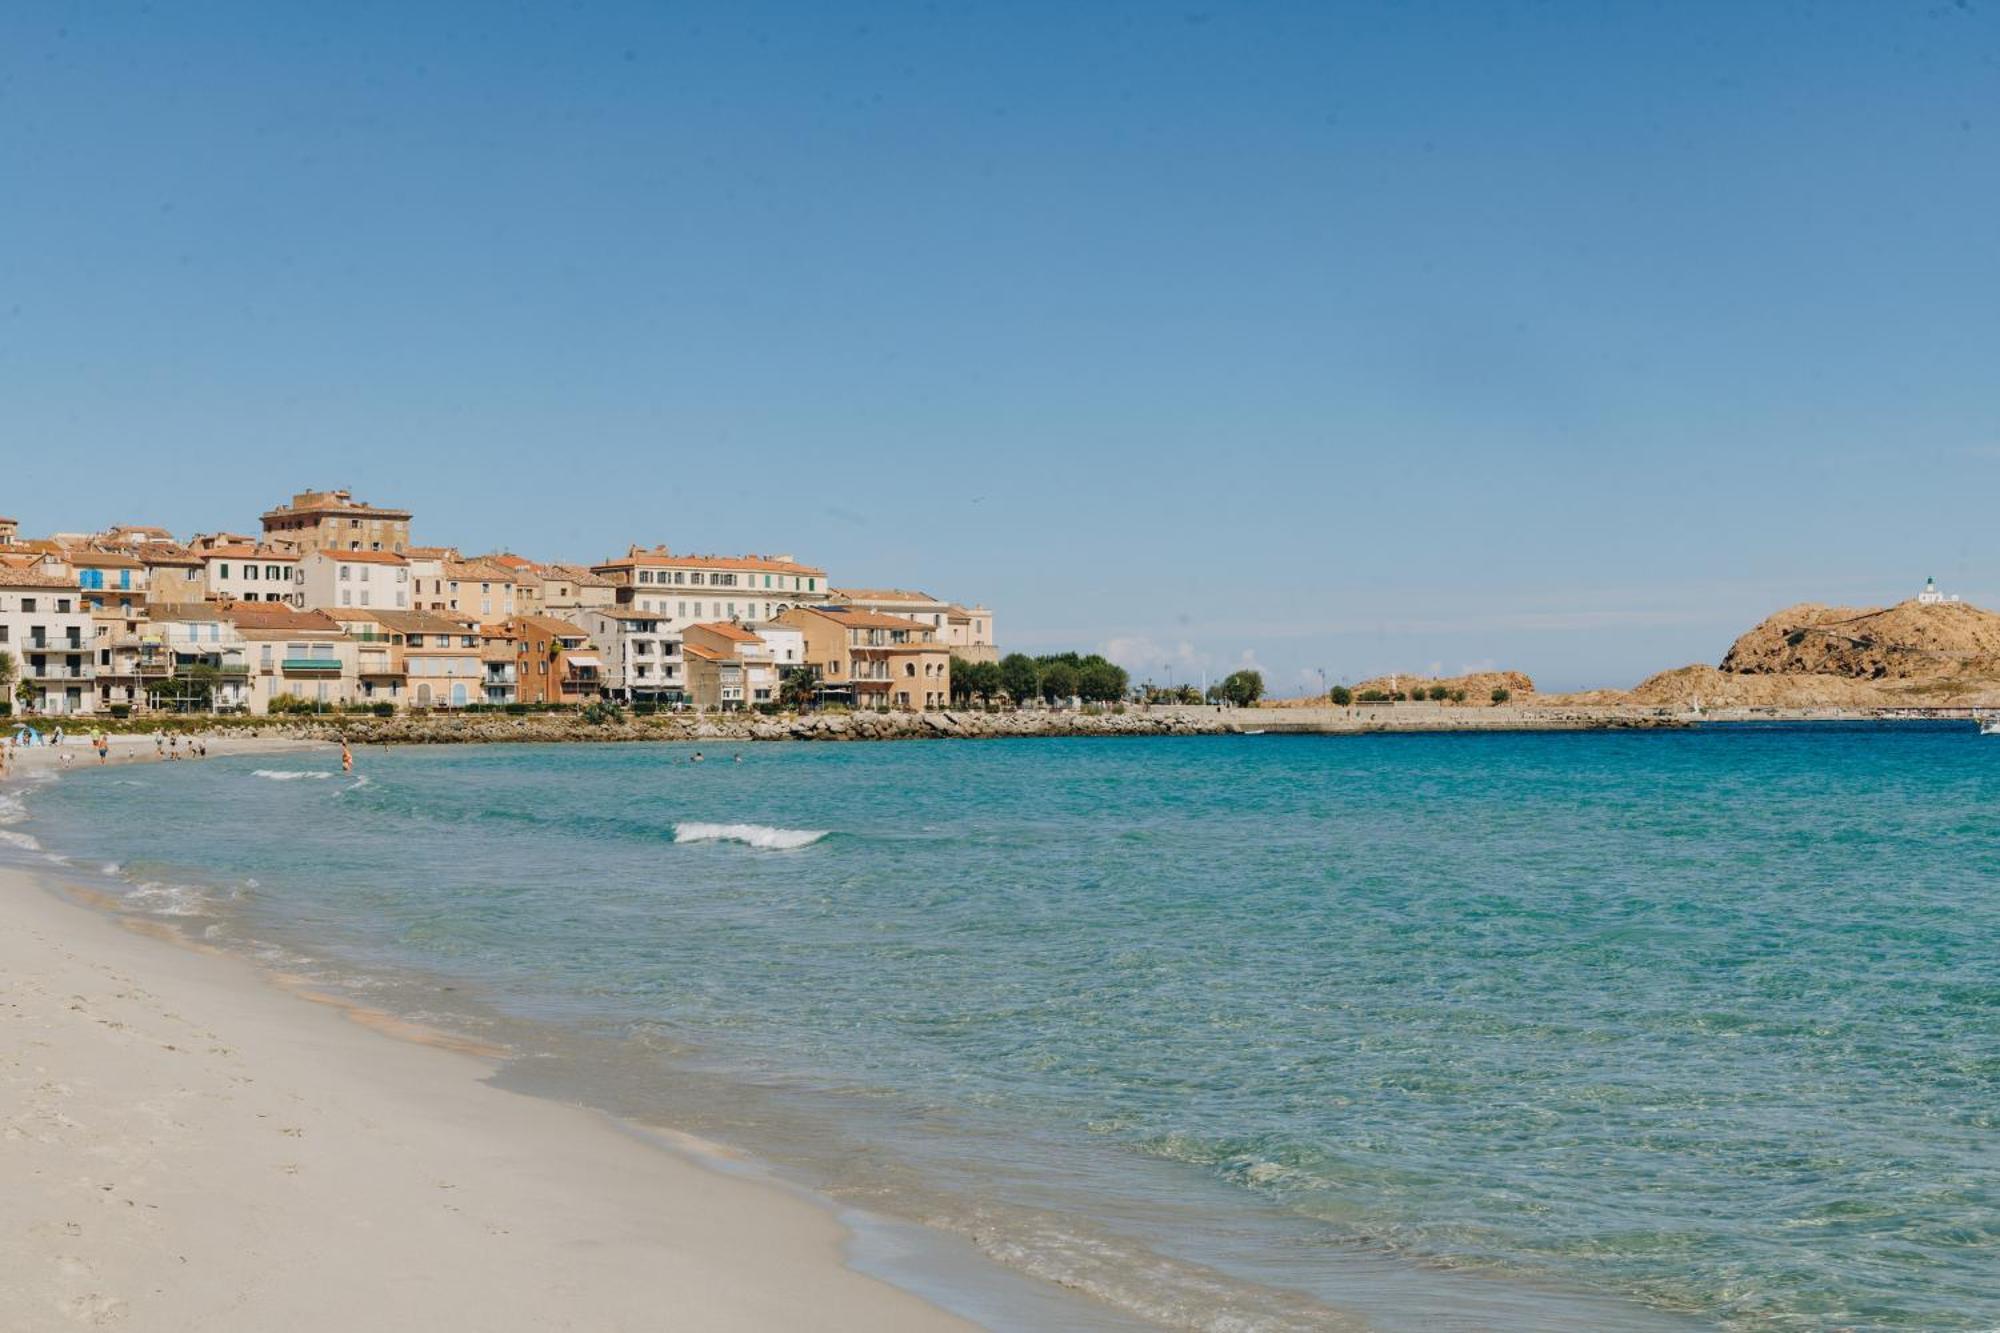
x: 1930, y: 596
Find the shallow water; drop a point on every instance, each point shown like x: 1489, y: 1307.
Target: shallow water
x: 1528, y: 1031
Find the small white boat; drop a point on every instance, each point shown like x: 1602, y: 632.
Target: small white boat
x: 1989, y: 726
x: 1258, y: 732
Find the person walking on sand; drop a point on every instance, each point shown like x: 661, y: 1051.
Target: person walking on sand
x: 103, y: 743
x: 159, y: 746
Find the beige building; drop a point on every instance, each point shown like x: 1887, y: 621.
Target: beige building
x: 728, y: 667
x: 301, y: 654
x: 430, y: 661
x: 175, y: 575
x: 481, y: 589
x: 500, y: 663
x: 565, y: 588
x: 336, y: 521
x: 365, y: 580
x: 967, y: 631
x: 873, y: 661
x: 688, y: 589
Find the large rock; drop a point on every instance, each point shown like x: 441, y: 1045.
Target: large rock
x: 1908, y: 642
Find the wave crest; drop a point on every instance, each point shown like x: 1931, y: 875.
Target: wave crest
x: 750, y: 835
x: 290, y: 774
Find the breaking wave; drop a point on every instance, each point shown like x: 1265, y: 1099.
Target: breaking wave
x: 291, y: 774
x: 750, y: 835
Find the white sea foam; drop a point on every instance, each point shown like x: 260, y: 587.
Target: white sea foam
x: 750, y: 835
x: 21, y: 840
x: 291, y: 774
x: 168, y: 899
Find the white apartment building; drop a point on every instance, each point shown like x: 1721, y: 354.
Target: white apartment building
x: 689, y: 589
x: 365, y: 580
x: 46, y: 629
x: 143, y: 660
x: 641, y: 652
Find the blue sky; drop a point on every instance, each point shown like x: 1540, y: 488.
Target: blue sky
x: 1356, y: 337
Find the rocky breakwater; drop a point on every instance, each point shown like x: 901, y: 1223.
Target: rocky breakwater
x: 441, y: 728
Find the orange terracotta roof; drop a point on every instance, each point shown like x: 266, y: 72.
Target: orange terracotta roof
x: 93, y: 558
x: 234, y: 552
x: 722, y: 629
x: 577, y: 574
x: 477, y: 571
x: 18, y: 577
x: 705, y: 654
x: 551, y: 626
x: 277, y: 616
x: 864, y: 619
x: 402, y: 622
x: 657, y: 559
x: 880, y: 595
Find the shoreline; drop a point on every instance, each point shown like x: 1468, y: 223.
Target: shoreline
x: 232, y: 735
x: 191, y: 1146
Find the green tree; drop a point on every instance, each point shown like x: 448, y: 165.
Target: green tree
x: 961, y: 677
x: 1501, y: 694
x: 1439, y: 694
x: 1101, y: 681
x: 188, y: 691
x: 1340, y: 696
x: 1020, y: 677
x: 796, y: 688
x: 985, y: 680
x: 1243, y: 688
x: 1060, y: 680
x: 7, y: 669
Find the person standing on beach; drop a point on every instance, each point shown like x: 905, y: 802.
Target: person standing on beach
x: 159, y: 746
x: 103, y: 743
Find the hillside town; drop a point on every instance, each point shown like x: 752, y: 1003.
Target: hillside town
x: 334, y: 605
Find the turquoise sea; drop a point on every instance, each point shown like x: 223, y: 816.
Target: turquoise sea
x: 1626, y: 1030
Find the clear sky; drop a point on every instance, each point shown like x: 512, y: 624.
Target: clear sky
x: 1363, y: 337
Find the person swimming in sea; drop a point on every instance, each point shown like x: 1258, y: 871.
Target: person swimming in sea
x: 346, y: 757
x: 697, y: 757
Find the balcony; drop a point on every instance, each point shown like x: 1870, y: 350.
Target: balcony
x: 316, y: 666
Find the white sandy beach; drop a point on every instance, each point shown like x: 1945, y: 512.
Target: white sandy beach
x: 186, y: 1145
